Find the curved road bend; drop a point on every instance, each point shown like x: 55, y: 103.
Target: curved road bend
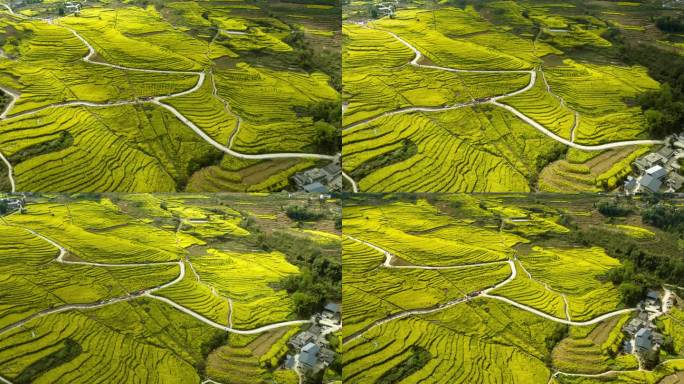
x: 494, y: 101
x: 546, y: 286
x: 229, y: 109
x: 131, y: 296
x: 355, y: 187
x: 10, y: 172
x: 186, y: 121
x: 224, y: 327
x: 483, y: 293
x: 390, y: 256
x: 556, y: 319
x: 63, y: 253
x: 99, y: 304
x: 13, y: 99
x: 9, y: 9
x: 158, y: 101
x: 611, y: 372
x: 401, y: 315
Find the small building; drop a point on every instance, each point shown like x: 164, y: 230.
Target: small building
x: 315, y: 187
x: 634, y: 326
x: 308, y: 357
x: 320, y: 180
x: 71, y: 7
x: 657, y: 172
x: 385, y: 11
x: 653, y: 297
x: 289, y: 362
x: 657, y: 338
x: 652, y: 159
x: 650, y: 183
x: 336, y: 183
x: 13, y: 204
x: 675, y: 182
x: 644, y: 339
x: 306, y: 337
x: 666, y: 152
x: 630, y: 184
x: 332, y: 311
x: 332, y: 171
x: 678, y: 141
x: 327, y: 355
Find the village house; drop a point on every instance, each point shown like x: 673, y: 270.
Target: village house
x: 308, y: 357
x: 72, y: 7
x: 306, y: 337
x: 387, y: 9
x: 320, y: 180
x: 635, y: 325
x: 332, y: 312
x: 312, y: 346
x: 327, y: 355
x: 653, y: 297
x: 12, y: 204
x: 653, y: 178
x: 659, y: 170
x: 644, y: 341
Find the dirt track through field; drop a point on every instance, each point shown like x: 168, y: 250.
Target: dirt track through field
x: 156, y: 101
x: 484, y: 293
x: 148, y: 292
x: 495, y: 101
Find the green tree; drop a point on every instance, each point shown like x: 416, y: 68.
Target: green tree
x: 326, y: 137
x: 631, y: 293
x: 305, y: 303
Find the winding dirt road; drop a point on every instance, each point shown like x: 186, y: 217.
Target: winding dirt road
x: 9, y: 9
x: 494, y: 101
x: 611, y: 372
x: 10, y: 172
x: 13, y: 99
x: 157, y: 101
x: 390, y: 256
x: 224, y: 327
x: 149, y: 292
x: 200, y: 82
x: 351, y: 181
x: 418, y: 56
x: 484, y: 293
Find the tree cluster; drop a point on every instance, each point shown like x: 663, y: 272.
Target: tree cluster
x: 419, y: 357
x: 663, y: 108
x: 670, y: 24
x: 301, y: 213
x: 614, y: 209
x: 667, y: 217
x: 320, y: 279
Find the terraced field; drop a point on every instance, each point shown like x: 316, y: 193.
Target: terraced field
x: 484, y: 289
x: 479, y: 99
x: 144, y: 288
x: 185, y: 96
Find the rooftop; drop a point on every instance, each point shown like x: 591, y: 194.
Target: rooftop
x: 310, y: 348
x: 656, y: 171
x: 644, y: 332
x: 316, y: 188
x: 309, y: 354
x: 651, y: 183
x: 332, y: 307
